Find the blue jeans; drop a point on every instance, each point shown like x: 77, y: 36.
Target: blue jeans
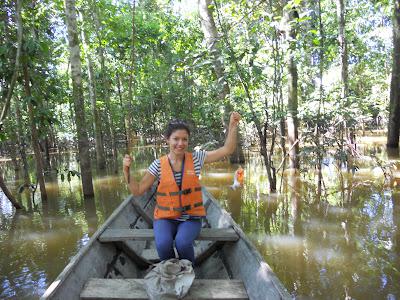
x: 183, y: 232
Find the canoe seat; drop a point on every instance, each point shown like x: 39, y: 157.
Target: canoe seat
x: 123, y: 234
x: 99, y: 288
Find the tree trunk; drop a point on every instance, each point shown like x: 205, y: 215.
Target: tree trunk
x: 292, y: 121
x: 342, y: 49
x: 46, y: 146
x: 34, y: 135
x: 394, y: 107
x: 124, y: 115
x: 34, y: 131
x: 212, y: 38
x: 8, y: 91
x: 347, y: 131
x: 131, y: 81
x: 8, y: 194
x: 100, y: 156
x: 77, y: 94
x: 319, y: 137
x: 106, y: 93
x: 21, y: 141
x: 13, y: 154
x: 271, y: 171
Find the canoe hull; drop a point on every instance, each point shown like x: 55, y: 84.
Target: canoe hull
x: 219, y: 260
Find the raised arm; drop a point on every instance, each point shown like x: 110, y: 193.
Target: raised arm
x: 136, y: 188
x: 230, y: 143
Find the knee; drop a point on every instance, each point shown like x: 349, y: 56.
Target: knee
x: 183, y: 243
x: 164, y: 242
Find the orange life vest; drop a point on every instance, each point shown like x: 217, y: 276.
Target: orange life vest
x: 171, y: 200
x: 240, y: 176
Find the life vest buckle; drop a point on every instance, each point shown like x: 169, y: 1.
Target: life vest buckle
x: 186, y: 192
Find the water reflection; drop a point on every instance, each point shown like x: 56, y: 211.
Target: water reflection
x: 345, y: 242
x: 343, y: 245
x: 38, y: 243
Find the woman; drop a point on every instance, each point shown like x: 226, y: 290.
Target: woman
x: 179, y: 208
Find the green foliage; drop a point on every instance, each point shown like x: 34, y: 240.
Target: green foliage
x: 173, y: 72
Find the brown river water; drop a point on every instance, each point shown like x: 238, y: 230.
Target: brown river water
x: 346, y: 244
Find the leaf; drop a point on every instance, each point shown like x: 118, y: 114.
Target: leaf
x: 316, y: 42
x: 62, y: 177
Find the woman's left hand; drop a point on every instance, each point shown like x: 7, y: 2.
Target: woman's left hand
x: 234, y: 119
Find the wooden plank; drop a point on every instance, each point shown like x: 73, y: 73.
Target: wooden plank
x: 133, y: 289
x: 210, y: 234
x: 140, y: 261
x: 142, y: 213
x: 208, y: 252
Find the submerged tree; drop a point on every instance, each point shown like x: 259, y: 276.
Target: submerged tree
x: 77, y: 94
x: 7, y: 87
x: 96, y: 116
x: 394, y: 106
x: 290, y: 17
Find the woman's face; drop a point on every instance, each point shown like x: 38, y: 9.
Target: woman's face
x: 178, y: 141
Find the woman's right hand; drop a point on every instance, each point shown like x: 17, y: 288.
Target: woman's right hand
x: 234, y: 119
x: 127, y: 161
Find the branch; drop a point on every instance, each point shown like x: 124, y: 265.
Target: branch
x: 7, y: 100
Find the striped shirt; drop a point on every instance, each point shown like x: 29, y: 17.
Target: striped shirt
x: 198, y: 161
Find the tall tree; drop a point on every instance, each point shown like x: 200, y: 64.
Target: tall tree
x: 21, y: 140
x: 97, y: 128
x: 343, y: 49
x: 394, y: 106
x: 31, y: 112
x: 211, y: 37
x: 321, y: 99
x: 344, y: 71
x: 131, y: 81
x: 291, y: 15
x: 105, y: 85
x: 8, y: 90
x: 34, y: 133
x: 77, y: 94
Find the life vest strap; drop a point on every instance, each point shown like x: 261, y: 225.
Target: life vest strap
x: 180, y: 209
x: 181, y: 192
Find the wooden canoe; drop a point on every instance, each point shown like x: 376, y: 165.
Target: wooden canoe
x: 114, y: 261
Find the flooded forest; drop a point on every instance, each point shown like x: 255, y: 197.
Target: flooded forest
x: 317, y: 85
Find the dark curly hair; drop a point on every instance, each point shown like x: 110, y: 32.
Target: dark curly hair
x: 175, y: 125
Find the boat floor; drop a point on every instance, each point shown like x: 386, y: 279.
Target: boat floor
x: 124, y: 281
x: 122, y: 250
x: 133, y: 289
